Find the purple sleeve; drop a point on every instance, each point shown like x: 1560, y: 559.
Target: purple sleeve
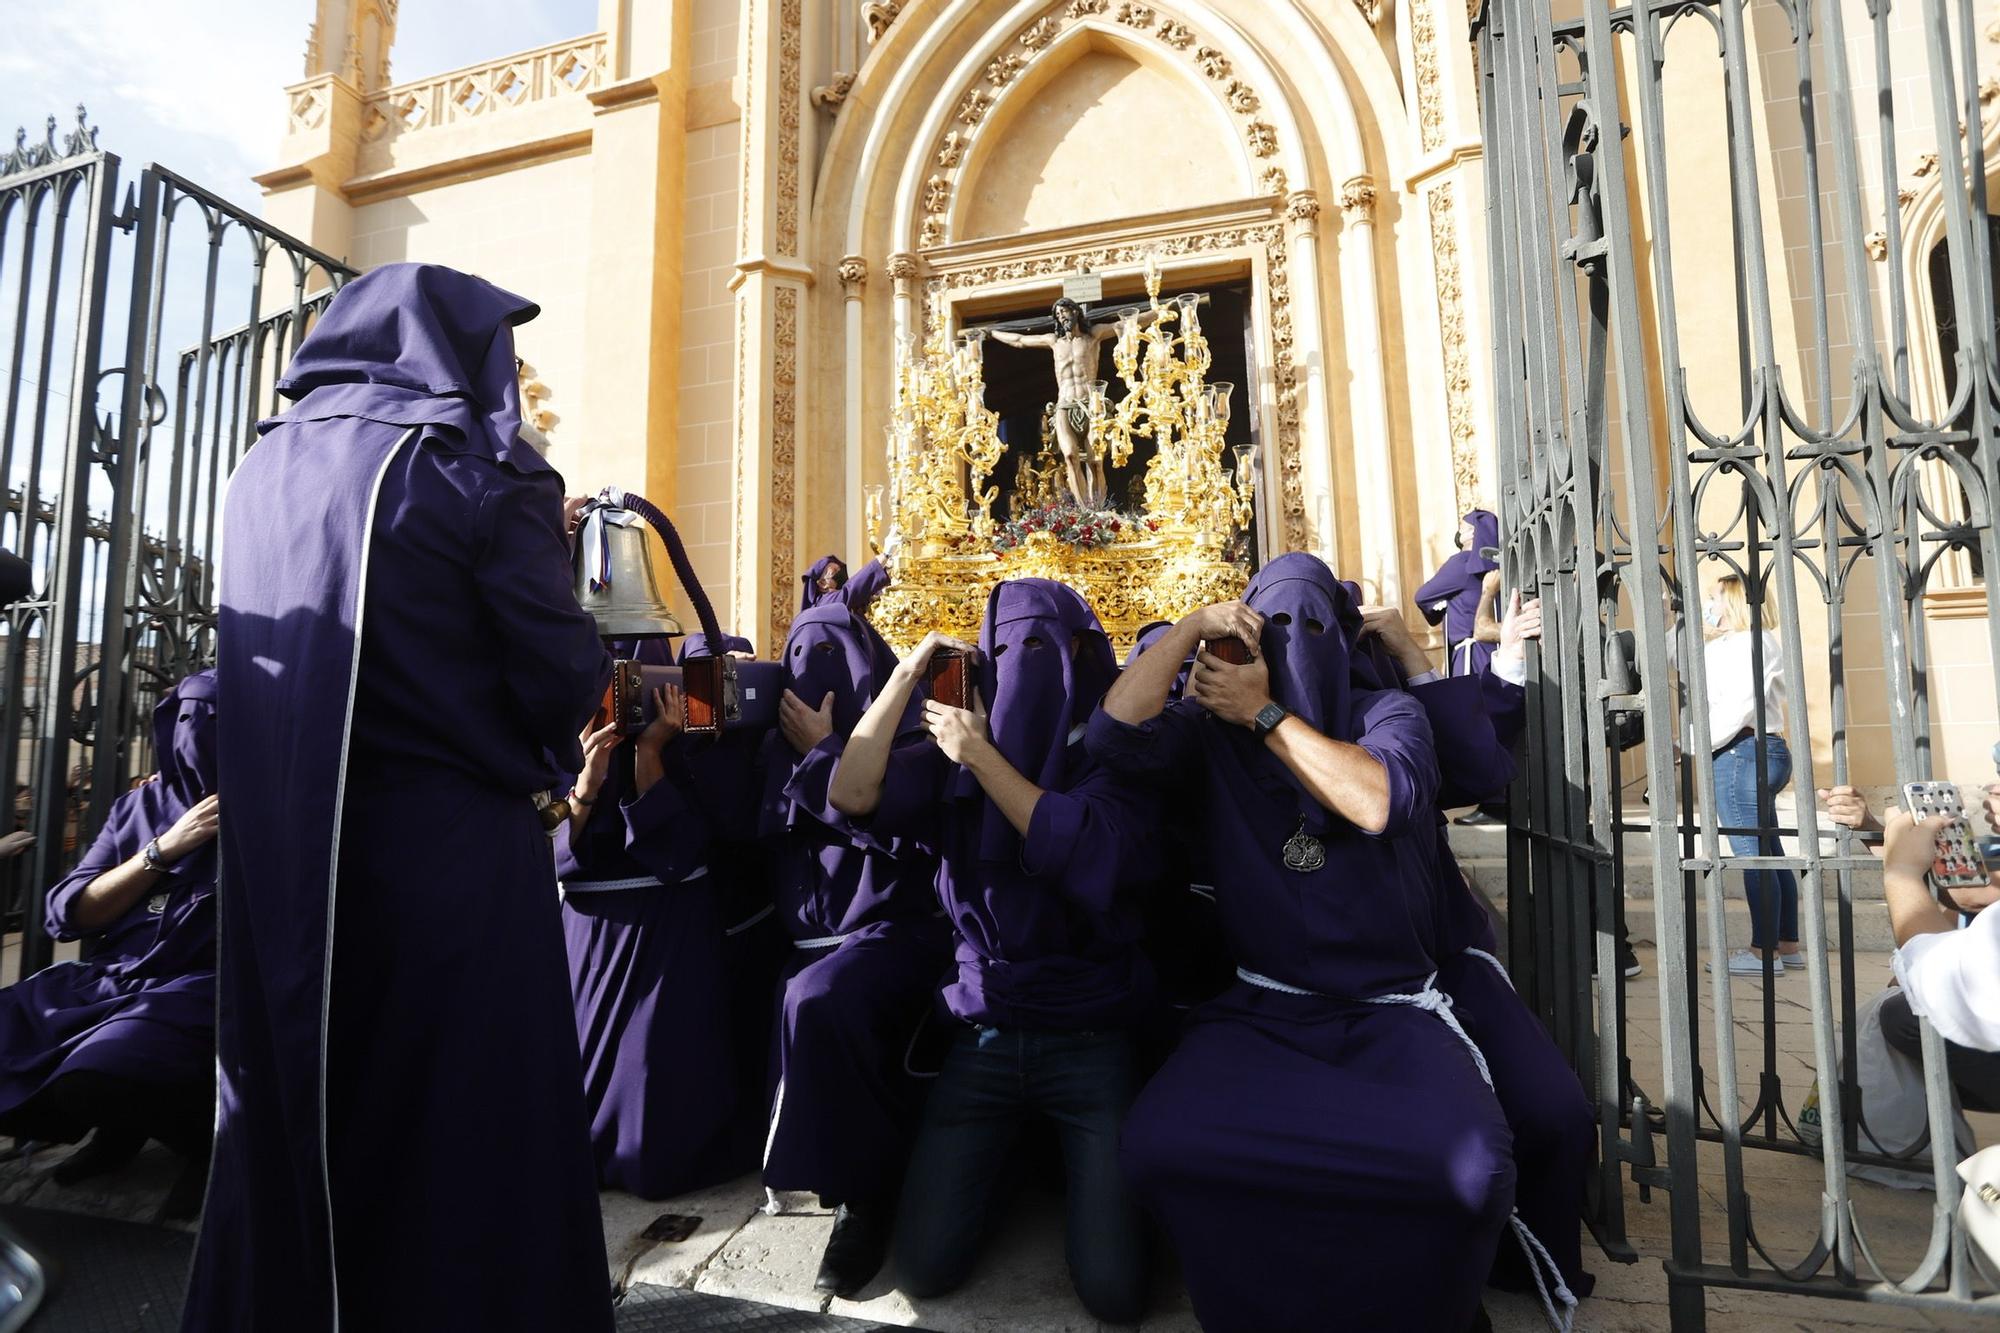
x: 126, y: 830
x: 1391, y: 726
x: 812, y: 779
x: 1096, y: 838
x: 665, y: 831
x: 552, y: 661
x: 1446, y: 583
x: 1472, y: 763
x: 864, y: 586
x: 1159, y: 748
x: 909, y: 804
x: 1506, y: 706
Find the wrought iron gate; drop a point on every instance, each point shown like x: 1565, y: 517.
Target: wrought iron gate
x: 1845, y: 473
x: 136, y: 370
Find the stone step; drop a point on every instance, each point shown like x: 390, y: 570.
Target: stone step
x: 1871, y: 919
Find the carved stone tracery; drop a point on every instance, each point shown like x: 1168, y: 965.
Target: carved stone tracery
x: 1458, y: 384
x: 784, y: 461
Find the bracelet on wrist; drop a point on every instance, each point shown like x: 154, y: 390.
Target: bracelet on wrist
x: 578, y: 798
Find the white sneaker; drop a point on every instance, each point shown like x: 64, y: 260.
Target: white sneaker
x: 1750, y: 963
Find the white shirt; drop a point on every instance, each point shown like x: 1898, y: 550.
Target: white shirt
x: 1953, y: 978
x: 1732, y: 687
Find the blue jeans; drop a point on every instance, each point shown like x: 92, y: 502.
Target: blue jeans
x: 993, y: 1080
x: 1773, y: 894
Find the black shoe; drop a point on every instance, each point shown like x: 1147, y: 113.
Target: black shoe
x: 1477, y: 819
x: 184, y: 1200
x: 107, y: 1150
x: 854, y: 1252
x: 1628, y: 961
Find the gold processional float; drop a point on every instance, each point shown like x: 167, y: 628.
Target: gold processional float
x: 933, y: 523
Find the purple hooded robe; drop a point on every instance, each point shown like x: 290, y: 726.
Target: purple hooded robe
x: 869, y: 945
x: 142, y: 1007
x: 1321, y: 1154
x: 402, y: 655
x: 1452, y: 596
x: 1047, y: 926
x: 857, y: 591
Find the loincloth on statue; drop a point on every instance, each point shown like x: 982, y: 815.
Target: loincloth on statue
x: 1077, y: 410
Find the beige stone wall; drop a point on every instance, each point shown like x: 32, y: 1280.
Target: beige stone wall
x: 708, y: 358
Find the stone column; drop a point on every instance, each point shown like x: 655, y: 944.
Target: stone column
x: 1367, y: 400
x: 905, y: 269
x: 853, y: 282
x: 1315, y: 419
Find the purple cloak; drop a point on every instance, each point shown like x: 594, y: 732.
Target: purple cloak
x: 869, y: 945
x: 403, y: 663
x: 1452, y: 595
x: 143, y: 1006
x: 1047, y: 927
x: 857, y: 591
x: 1330, y: 1155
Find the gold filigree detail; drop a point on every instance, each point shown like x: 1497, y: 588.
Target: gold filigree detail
x: 1457, y: 362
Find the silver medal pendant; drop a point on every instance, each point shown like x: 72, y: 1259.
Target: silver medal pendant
x: 1303, y: 852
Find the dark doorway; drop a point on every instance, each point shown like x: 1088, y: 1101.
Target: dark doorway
x: 1020, y: 383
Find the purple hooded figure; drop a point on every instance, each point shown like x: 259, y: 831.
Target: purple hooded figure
x: 125, y: 1042
x: 645, y: 922
x: 407, y: 667
x: 1452, y: 594
x: 828, y: 582
x: 1320, y: 1149
x: 1041, y: 852
x: 869, y: 948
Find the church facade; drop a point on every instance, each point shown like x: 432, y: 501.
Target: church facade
x: 733, y: 211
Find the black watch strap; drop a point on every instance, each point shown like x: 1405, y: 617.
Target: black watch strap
x: 1268, y: 718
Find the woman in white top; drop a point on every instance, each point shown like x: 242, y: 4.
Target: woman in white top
x: 1735, y: 653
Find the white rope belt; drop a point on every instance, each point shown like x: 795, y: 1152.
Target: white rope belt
x: 632, y: 882
x: 1498, y: 966
x: 1432, y: 1000
x: 823, y: 942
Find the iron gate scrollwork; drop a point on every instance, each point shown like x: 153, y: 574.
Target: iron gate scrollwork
x: 1848, y: 484
x: 143, y: 336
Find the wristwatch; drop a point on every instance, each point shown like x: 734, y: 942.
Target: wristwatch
x: 155, y: 862
x: 1268, y: 717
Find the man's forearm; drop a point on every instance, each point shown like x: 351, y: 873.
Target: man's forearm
x: 1014, y: 795
x: 1343, y: 777
x: 1912, y: 910
x: 112, y: 894
x: 856, y: 788
x: 1141, y: 690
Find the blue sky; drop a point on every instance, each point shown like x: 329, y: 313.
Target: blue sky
x: 195, y: 85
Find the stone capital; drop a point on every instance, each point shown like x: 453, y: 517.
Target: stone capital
x: 1302, y: 208
x: 1357, y: 201
x: 853, y: 275
x: 903, y: 267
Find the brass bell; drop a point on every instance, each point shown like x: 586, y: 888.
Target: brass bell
x: 615, y: 582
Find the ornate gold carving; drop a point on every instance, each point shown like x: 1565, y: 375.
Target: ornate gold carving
x: 1003, y: 68
x: 879, y: 14
x: 937, y: 194
x: 1135, y: 15
x: 1263, y: 139
x: 784, y: 463
x: 1357, y: 200
x: 1241, y: 97
x: 1176, y: 34
x: 1430, y: 97
x: 1878, y: 245
x: 1269, y: 237
x: 1451, y: 329
x: 829, y: 96
x: 973, y: 108
x: 1212, y: 62
x: 787, y: 182
x: 853, y: 273
x: 1041, y: 33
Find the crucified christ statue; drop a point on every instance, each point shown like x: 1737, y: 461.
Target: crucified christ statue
x: 1073, y: 343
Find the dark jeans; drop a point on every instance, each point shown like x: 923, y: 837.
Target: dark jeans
x: 1773, y: 894
x: 1976, y: 1074
x: 992, y: 1082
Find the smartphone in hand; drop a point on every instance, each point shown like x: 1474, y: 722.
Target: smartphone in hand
x: 1956, y: 864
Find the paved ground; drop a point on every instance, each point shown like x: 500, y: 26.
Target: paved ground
x: 736, y: 1250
